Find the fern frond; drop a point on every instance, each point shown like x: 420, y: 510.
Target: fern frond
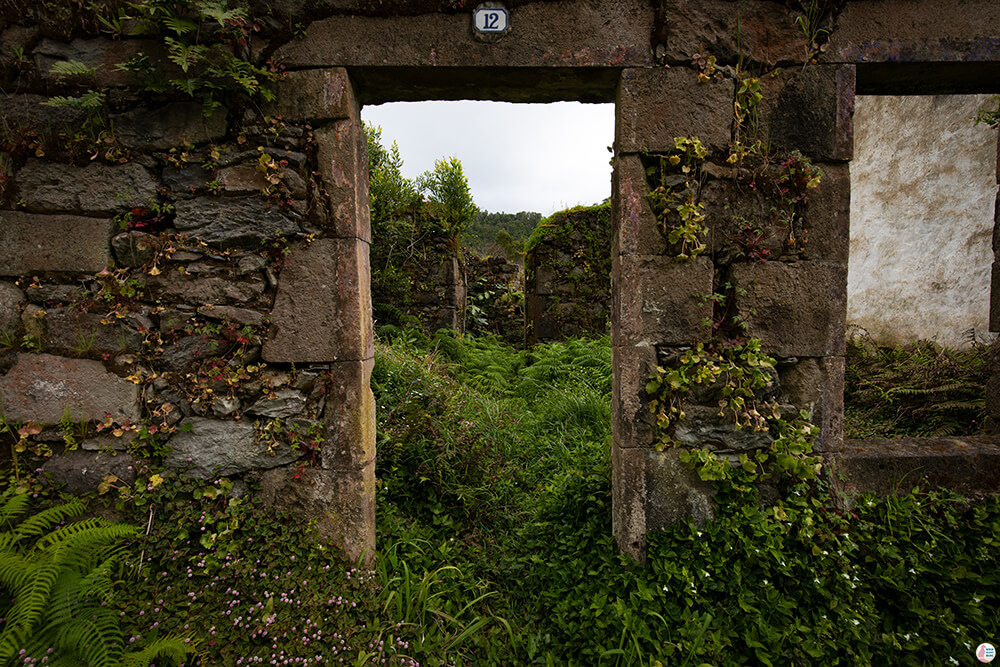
x: 917, y: 391
x: 72, y: 68
x: 170, y: 649
x: 44, y: 520
x: 13, y: 506
x: 973, y: 404
x: 23, y: 616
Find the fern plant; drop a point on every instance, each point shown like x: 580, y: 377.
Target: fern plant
x: 54, y: 580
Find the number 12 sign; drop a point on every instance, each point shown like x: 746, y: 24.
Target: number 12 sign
x: 490, y: 20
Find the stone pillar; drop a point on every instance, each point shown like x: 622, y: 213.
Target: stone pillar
x: 797, y: 297
x: 655, y: 306
x: 322, y: 314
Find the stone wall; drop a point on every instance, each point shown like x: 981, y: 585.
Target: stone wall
x: 924, y: 185
x: 567, y: 273
x: 495, y: 298
x: 189, y: 295
x: 417, y: 275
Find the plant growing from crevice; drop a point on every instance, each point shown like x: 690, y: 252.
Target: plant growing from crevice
x: 675, y: 199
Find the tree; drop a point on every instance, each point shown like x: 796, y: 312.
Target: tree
x: 449, y: 193
x: 388, y: 190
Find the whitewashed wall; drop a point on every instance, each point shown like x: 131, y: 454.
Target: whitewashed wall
x: 923, y: 186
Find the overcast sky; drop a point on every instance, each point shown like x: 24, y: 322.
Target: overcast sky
x: 517, y: 157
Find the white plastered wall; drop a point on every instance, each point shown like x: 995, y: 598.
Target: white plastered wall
x: 923, y: 186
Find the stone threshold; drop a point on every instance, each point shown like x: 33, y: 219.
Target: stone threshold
x: 969, y: 466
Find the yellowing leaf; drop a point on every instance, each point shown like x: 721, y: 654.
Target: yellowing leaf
x: 155, y: 480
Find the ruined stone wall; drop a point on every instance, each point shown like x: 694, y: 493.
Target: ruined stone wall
x: 495, y: 298
x: 924, y: 184
x: 187, y: 294
x: 568, y: 275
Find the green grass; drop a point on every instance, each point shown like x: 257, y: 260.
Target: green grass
x: 494, y: 548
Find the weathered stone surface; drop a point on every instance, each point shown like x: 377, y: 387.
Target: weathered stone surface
x: 179, y: 286
x: 83, y: 334
x: 25, y: 112
x: 635, y: 229
x: 216, y: 448
x: 42, y: 388
x: 284, y: 403
x: 239, y: 222
x: 232, y: 314
x: 15, y: 41
x: 810, y: 110
x: 799, y: 308
x: 80, y: 471
x: 101, y: 54
x: 904, y: 32
x: 766, y: 33
x: 349, y: 417
x: 31, y: 242
x: 632, y: 424
x: 995, y: 297
x: 314, y: 95
x: 655, y: 300
x: 703, y: 428
x: 827, y: 215
x: 342, y: 157
x: 322, y: 311
x: 97, y: 189
x: 51, y: 294
x: 108, y: 442
x: 181, y: 355
x: 134, y: 248
x: 817, y: 386
x: 656, y: 105
x: 969, y: 466
x: 605, y: 33
x: 652, y: 490
x: 11, y: 301
x: 342, y: 503
x: 188, y: 179
x: 168, y: 126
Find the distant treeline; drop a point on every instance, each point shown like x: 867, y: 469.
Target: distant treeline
x: 489, y: 232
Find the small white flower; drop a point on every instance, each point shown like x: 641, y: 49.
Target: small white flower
x: 950, y: 659
x: 856, y: 622
x: 907, y: 636
x: 765, y: 582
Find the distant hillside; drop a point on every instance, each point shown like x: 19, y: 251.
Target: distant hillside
x: 500, y: 233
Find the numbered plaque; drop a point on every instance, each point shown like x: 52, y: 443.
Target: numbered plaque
x: 490, y: 20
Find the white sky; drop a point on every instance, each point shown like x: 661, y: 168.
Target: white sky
x: 517, y: 157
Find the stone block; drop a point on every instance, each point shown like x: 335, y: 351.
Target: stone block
x: 168, y: 126
x: 900, y: 31
x: 179, y: 286
x: 322, y: 311
x: 702, y: 428
x: 817, y: 386
x: 281, y: 404
x: 727, y: 203
x: 232, y: 222
x: 349, y: 416
x: 656, y: 300
x: 652, y: 490
x: 43, y: 388
x: 969, y: 466
x: 632, y: 424
x: 83, y: 334
x: 25, y: 112
x: 97, y: 189
x: 809, y: 110
x: 342, y: 156
x: 656, y: 105
x: 342, y: 504
x: 594, y: 35
x: 31, y: 242
x: 12, y: 300
x: 314, y: 95
x: 79, y: 472
x: 214, y: 448
x: 799, y: 309
x: 232, y: 314
x: 635, y: 230
x: 102, y: 54
x: 766, y: 32
x: 828, y: 215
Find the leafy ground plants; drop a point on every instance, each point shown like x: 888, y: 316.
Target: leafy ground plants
x: 495, y: 547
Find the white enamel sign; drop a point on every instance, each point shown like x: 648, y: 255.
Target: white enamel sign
x: 490, y: 20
